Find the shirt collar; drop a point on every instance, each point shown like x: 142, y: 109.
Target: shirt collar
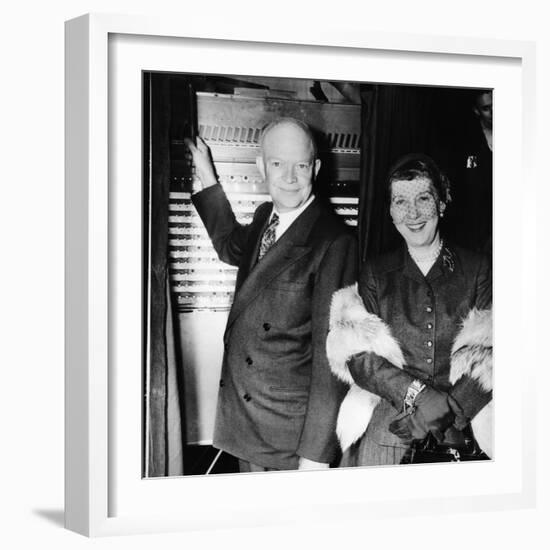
x: 286, y: 218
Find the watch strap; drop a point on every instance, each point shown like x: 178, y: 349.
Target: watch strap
x: 413, y: 390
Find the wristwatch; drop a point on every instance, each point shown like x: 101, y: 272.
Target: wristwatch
x: 413, y: 390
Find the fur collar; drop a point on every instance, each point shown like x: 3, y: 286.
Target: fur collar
x: 472, y: 355
x: 352, y: 329
x: 472, y: 351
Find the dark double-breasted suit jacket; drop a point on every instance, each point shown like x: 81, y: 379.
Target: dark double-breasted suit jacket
x: 278, y: 400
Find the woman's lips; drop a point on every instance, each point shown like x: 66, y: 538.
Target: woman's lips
x: 416, y: 227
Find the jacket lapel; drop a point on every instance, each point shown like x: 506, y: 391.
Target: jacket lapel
x: 410, y: 269
x: 251, y: 253
x: 447, y: 265
x: 292, y: 245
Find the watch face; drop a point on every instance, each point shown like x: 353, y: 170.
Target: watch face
x: 412, y: 391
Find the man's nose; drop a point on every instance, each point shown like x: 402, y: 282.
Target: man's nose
x: 290, y: 175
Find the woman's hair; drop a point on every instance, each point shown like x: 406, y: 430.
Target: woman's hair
x: 418, y: 165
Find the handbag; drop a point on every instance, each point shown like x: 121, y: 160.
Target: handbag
x: 460, y: 449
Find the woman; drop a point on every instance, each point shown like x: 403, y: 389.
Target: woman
x: 415, y: 342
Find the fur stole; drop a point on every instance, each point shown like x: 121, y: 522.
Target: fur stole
x: 352, y: 329
x: 472, y: 355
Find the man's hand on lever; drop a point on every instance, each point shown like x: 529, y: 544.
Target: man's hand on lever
x: 203, y: 161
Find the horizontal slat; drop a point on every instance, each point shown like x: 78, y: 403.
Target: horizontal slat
x: 195, y: 273
x: 193, y: 240
x: 180, y: 195
x: 346, y: 211
x: 344, y: 200
x: 207, y: 255
x: 212, y: 281
x: 202, y: 288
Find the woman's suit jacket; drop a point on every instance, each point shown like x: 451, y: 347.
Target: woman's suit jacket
x: 278, y: 399
x: 424, y: 315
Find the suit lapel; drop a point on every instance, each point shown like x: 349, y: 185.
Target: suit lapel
x: 410, y: 269
x: 292, y: 245
x: 445, y: 265
x: 251, y: 253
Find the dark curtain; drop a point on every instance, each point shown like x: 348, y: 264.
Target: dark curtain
x: 397, y: 120
x: 164, y: 411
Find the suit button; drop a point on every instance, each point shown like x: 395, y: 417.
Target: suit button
x: 249, y: 361
x: 247, y: 397
x: 430, y: 326
x: 429, y: 309
x: 429, y: 343
x: 429, y: 360
x: 267, y: 326
x: 222, y: 383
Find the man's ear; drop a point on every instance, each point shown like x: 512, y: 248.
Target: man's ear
x: 260, y: 165
x: 317, y: 167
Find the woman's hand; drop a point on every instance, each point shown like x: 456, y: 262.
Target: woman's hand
x: 203, y: 161
x: 433, y: 414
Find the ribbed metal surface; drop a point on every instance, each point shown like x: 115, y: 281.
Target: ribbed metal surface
x: 238, y: 120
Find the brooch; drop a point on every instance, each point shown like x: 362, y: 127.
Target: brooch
x: 448, y: 259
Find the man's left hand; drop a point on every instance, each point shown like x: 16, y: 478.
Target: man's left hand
x: 306, y: 464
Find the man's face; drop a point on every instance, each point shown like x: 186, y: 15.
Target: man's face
x: 415, y: 210
x: 484, y: 110
x: 288, y: 166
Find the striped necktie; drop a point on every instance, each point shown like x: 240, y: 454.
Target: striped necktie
x: 268, y: 238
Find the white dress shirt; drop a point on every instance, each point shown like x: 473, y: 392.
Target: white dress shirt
x: 287, y: 218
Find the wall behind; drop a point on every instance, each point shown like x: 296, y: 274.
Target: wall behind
x: 31, y: 227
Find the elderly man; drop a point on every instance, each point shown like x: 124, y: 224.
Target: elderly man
x: 278, y: 401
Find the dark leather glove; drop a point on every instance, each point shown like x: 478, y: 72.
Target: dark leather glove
x: 432, y: 414
x: 377, y: 375
x: 468, y: 398
x: 454, y: 438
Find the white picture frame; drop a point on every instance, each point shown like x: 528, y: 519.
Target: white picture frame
x: 105, y: 493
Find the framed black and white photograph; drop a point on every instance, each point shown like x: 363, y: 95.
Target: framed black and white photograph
x: 282, y: 256
x: 360, y: 130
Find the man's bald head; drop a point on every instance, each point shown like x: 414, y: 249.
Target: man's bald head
x: 288, y: 162
x: 289, y: 121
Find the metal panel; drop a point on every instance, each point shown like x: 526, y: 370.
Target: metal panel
x: 203, y: 354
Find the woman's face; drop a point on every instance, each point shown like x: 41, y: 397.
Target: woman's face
x: 415, y: 209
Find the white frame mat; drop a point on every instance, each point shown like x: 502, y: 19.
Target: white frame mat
x: 105, y: 494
